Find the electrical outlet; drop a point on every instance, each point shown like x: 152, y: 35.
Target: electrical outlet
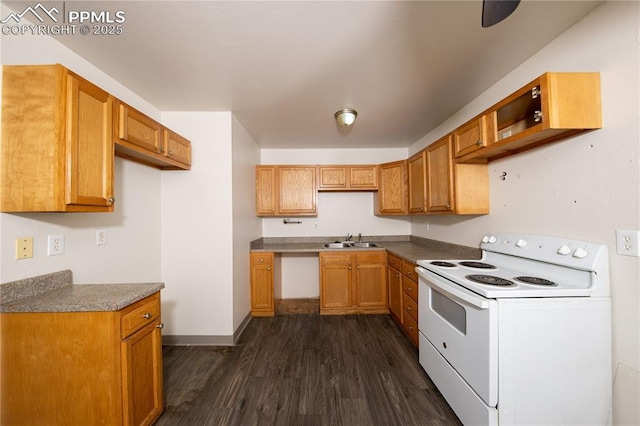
x: 55, y: 245
x: 101, y: 237
x: 24, y: 247
x: 627, y: 243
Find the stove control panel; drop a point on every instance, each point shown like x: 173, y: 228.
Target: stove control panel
x: 558, y: 250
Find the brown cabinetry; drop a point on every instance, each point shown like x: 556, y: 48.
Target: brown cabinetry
x: 392, y: 197
x: 353, y: 282
x: 57, y: 145
x: 264, y: 289
x: 347, y: 178
x: 286, y: 191
x: 394, y: 281
x: 410, y: 301
x: 551, y: 107
x: 142, y: 139
x: 417, y: 170
x: 474, y: 135
x: 452, y: 187
x: 83, y: 367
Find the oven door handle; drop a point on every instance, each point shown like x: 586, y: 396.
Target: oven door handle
x: 453, y: 291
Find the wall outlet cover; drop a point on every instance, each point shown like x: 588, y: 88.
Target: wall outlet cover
x: 24, y: 248
x: 627, y: 242
x: 55, y: 245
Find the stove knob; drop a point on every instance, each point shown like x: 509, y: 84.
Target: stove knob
x: 521, y: 243
x: 492, y: 239
x: 485, y: 239
x: 580, y: 253
x: 564, y: 250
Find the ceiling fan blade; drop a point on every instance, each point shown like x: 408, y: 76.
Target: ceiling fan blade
x: 494, y: 11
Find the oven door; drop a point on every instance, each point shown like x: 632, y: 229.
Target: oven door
x: 463, y: 328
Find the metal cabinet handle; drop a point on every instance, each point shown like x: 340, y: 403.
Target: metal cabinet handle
x: 111, y: 200
x: 358, y: 267
x: 171, y: 153
x: 478, y: 142
x: 161, y: 325
x: 269, y: 268
x: 161, y: 148
x: 409, y: 288
x: 397, y: 275
x: 409, y: 308
x: 147, y: 315
x: 410, y: 327
x: 349, y: 267
x: 261, y: 260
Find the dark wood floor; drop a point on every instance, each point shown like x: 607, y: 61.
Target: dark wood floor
x: 303, y: 370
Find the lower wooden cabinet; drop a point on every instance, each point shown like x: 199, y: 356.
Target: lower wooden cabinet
x: 394, y: 282
x: 410, y: 301
x: 264, y: 291
x: 353, y: 282
x: 82, y: 368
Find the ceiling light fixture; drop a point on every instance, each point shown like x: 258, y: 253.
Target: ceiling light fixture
x: 346, y: 117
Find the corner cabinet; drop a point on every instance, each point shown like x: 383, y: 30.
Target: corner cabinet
x: 144, y: 140
x: 57, y: 144
x: 286, y: 191
x: 353, y: 282
x: 83, y: 367
x: 551, y: 107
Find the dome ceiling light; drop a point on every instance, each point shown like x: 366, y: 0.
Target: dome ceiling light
x: 346, y: 117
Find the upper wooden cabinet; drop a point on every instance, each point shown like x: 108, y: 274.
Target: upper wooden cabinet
x: 391, y: 198
x: 347, y: 178
x: 474, y: 135
x: 452, y: 187
x: 551, y: 107
x: 146, y: 141
x: 417, y: 171
x: 286, y: 191
x: 57, y: 144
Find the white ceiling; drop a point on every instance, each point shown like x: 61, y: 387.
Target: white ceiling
x: 284, y: 68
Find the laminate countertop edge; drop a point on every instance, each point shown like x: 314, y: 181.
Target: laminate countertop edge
x: 411, y: 249
x: 55, y: 292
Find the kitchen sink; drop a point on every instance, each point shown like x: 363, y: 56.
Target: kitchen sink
x: 348, y: 244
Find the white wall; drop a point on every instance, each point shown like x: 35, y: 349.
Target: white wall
x: 197, y: 237
x: 584, y: 187
x: 133, y: 230
x: 246, y: 225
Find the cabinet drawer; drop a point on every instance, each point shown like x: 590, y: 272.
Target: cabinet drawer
x: 141, y: 313
x: 372, y: 257
x: 411, y: 328
x: 261, y: 259
x: 394, y: 261
x: 410, y: 288
x: 409, y: 270
x: 410, y: 307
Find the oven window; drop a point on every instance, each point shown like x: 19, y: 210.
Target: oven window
x: 449, y: 310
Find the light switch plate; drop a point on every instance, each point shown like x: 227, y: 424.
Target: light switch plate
x: 101, y: 237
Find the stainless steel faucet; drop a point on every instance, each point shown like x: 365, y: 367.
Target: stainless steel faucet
x: 349, y: 237
x: 359, y: 237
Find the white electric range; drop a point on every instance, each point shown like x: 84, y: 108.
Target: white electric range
x: 522, y: 335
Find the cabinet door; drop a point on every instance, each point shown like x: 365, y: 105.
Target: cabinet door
x: 177, y: 147
x: 394, y: 279
x: 371, y: 280
x: 332, y: 177
x: 262, y: 299
x: 474, y: 135
x: 392, y: 191
x: 363, y: 177
x: 142, y: 376
x: 89, y: 144
x: 417, y: 183
x: 266, y: 191
x: 297, y: 188
x: 336, y: 273
x: 440, y: 176
x: 136, y: 128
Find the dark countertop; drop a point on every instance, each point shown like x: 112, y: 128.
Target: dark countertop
x: 56, y: 293
x: 407, y: 247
